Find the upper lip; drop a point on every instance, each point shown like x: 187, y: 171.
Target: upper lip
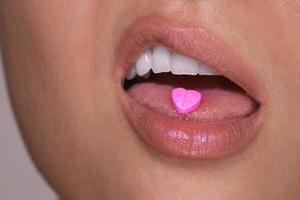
x: 200, y: 44
x: 193, y: 41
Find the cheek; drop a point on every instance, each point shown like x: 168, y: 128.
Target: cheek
x: 65, y: 49
x: 270, y: 42
x: 58, y: 66
x: 275, y: 43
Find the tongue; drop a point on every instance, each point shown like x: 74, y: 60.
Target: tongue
x: 221, y: 99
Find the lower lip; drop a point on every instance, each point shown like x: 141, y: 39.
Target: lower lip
x: 187, y: 138
x: 191, y: 139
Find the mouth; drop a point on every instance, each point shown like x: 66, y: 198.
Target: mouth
x: 155, y: 58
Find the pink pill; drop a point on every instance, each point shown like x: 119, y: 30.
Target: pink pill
x: 185, y: 101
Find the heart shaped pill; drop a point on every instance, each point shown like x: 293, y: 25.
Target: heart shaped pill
x: 185, y: 101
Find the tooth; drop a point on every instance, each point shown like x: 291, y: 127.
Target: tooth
x: 206, y: 70
x: 184, y: 65
x: 144, y: 63
x: 161, y: 59
x: 131, y: 74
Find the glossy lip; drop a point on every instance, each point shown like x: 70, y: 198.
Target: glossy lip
x: 179, y: 138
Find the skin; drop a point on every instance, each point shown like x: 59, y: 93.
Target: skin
x: 58, y: 56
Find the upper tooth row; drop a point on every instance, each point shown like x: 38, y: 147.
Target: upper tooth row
x: 162, y: 60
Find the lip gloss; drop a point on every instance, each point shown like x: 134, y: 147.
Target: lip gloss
x: 189, y: 139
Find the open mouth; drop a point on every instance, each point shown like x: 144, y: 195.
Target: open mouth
x: 158, y: 71
x: 218, y: 109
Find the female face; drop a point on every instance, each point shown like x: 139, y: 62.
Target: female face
x: 94, y: 135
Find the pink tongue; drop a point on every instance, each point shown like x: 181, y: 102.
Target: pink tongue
x: 219, y: 101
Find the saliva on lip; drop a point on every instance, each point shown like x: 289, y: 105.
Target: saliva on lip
x: 185, y: 101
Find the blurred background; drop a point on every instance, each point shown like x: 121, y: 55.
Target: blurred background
x: 19, y: 180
